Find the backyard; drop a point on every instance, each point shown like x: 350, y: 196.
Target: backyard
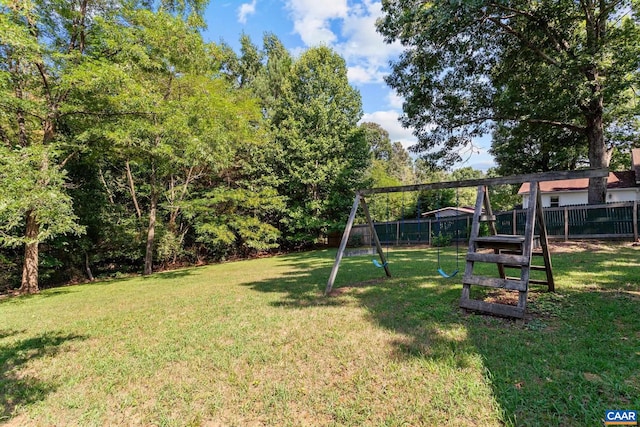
x: 255, y: 343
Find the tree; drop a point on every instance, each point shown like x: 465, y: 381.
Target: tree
x: 43, y: 46
x: 526, y: 148
x: 468, y: 65
x: 378, y: 139
x: 401, y: 165
x: 324, y: 155
x: 48, y: 50
x: 466, y: 196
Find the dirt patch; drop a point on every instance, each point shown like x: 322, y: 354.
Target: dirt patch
x: 339, y: 291
x: 503, y: 297
x: 588, y: 246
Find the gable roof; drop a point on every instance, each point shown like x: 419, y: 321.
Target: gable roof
x: 624, y: 179
x: 462, y: 210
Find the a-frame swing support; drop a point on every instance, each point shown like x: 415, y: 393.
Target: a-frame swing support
x: 503, y: 257
x: 358, y: 200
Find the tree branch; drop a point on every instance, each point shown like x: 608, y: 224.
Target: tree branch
x: 560, y: 44
x: 132, y: 190
x: 105, y: 113
x: 525, y: 41
x: 557, y: 124
x: 106, y: 187
x: 554, y: 123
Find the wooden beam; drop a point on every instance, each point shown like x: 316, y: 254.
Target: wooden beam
x: 493, y: 308
x: 498, y: 258
x: 514, y: 179
x: 511, y: 283
x: 544, y: 242
x: 343, y: 244
x: 376, y: 240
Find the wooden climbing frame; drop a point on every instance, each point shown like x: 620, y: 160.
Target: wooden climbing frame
x: 508, y: 252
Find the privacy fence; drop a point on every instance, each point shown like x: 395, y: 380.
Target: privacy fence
x: 613, y: 221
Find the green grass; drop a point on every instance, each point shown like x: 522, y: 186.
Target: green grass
x: 256, y: 343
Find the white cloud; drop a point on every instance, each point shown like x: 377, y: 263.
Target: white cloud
x: 362, y: 43
x: 395, y: 101
x: 245, y: 10
x: 350, y: 30
x: 361, y: 75
x: 312, y: 19
x: 314, y: 31
x: 389, y: 121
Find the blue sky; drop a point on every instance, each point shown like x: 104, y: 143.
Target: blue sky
x: 348, y: 26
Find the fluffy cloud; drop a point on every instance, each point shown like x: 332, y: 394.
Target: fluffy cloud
x: 362, y: 75
x: 350, y: 30
x: 312, y: 19
x: 389, y: 121
x: 395, y: 100
x: 363, y: 45
x: 245, y: 10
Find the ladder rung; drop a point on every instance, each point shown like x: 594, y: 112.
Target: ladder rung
x: 532, y: 267
x: 501, y: 238
x: 498, y: 258
x: 493, y: 308
x: 531, y: 281
x: 487, y: 218
x: 511, y: 283
x: 511, y: 252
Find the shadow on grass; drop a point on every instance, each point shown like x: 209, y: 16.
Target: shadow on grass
x: 44, y: 293
x: 171, y: 274
x: 576, y: 355
x: 17, y: 387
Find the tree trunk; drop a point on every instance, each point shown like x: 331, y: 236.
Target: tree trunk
x: 30, y: 267
x: 151, y: 231
x: 87, y: 267
x: 598, y: 154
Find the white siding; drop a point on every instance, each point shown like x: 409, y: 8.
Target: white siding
x: 568, y: 198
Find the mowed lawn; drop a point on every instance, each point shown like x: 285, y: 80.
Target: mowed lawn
x: 255, y: 343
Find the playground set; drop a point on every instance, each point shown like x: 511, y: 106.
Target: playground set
x: 508, y: 252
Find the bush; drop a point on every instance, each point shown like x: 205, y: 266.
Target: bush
x: 355, y: 240
x: 440, y: 240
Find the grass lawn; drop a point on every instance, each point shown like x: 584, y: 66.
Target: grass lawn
x: 256, y: 343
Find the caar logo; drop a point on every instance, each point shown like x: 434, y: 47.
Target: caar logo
x: 620, y: 418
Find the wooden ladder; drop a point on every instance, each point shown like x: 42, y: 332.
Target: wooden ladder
x: 507, y: 251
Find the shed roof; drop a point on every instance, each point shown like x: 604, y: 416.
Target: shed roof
x: 462, y: 210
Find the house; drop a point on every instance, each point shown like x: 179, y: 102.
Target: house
x: 622, y: 186
x: 449, y: 212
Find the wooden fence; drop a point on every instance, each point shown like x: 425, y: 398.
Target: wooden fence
x: 617, y: 221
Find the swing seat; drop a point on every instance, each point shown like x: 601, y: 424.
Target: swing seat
x: 445, y: 275
x: 377, y: 263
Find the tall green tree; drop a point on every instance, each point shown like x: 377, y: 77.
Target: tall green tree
x: 42, y: 46
x: 378, y: 139
x: 324, y: 155
x: 177, y: 125
x: 47, y: 50
x: 571, y: 65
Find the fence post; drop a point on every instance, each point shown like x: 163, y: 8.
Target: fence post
x: 635, y: 220
x: 513, y: 223
x: 566, y: 224
x: 397, y: 232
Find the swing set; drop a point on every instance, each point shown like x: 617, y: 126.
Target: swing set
x: 438, y: 233
x: 506, y: 251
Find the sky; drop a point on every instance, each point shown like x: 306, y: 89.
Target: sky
x: 347, y: 26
